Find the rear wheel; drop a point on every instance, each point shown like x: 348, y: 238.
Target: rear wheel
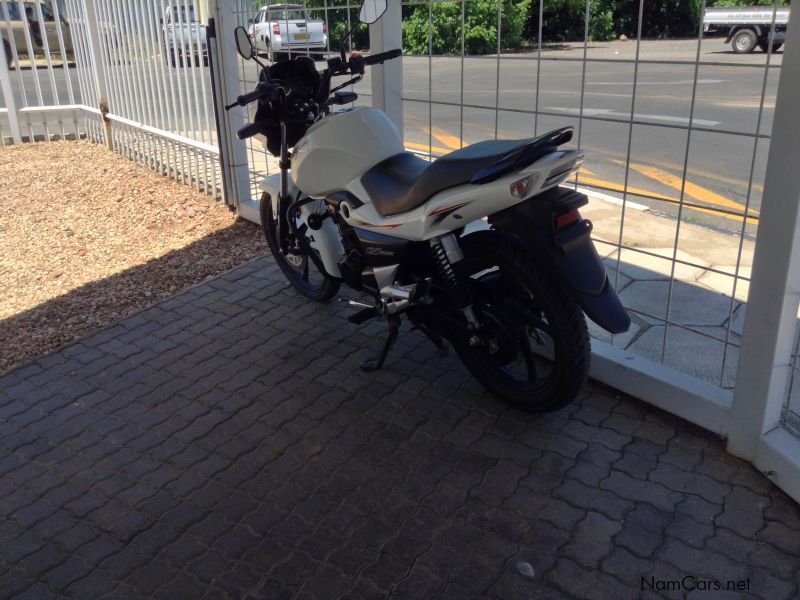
x: 764, y: 45
x: 299, y: 268
x: 744, y: 41
x: 535, y: 350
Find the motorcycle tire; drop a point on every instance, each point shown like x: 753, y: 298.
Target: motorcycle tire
x: 529, y: 302
x: 299, y: 274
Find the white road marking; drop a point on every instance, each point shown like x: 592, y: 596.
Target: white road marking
x: 612, y: 199
x: 612, y: 113
x: 639, y: 83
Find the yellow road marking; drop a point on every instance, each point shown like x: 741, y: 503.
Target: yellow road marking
x: 610, y: 185
x: 586, y: 171
x: 691, y: 189
x: 427, y: 148
x: 676, y: 167
x: 451, y: 141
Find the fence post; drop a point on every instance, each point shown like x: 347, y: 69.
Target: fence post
x: 770, y: 323
x: 8, y: 94
x: 227, y: 71
x: 94, y: 43
x: 387, y: 79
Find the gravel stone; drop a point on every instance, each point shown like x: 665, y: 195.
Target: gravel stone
x: 90, y: 237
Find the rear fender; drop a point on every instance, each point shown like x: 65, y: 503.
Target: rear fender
x: 567, y: 252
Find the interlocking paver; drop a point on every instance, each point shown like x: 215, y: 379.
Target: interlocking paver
x: 225, y: 442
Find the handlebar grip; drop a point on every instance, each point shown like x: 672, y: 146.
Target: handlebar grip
x: 249, y: 131
x: 246, y: 99
x: 381, y: 57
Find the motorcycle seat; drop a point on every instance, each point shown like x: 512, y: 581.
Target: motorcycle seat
x: 405, y: 181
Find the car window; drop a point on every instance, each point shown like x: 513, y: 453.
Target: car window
x: 46, y: 12
x: 260, y: 17
x: 183, y: 14
x: 13, y: 11
x: 287, y: 15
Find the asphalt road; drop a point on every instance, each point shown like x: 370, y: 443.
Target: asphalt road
x: 501, y: 98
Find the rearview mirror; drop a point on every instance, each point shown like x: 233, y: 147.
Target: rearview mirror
x: 244, y: 46
x: 371, y: 11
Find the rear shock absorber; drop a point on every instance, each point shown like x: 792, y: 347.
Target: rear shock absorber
x: 447, y: 252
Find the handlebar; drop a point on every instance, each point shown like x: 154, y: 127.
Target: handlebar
x: 263, y: 90
x: 249, y: 131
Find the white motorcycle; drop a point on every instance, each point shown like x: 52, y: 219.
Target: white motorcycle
x: 480, y: 248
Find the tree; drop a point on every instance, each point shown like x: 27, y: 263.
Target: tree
x: 443, y: 31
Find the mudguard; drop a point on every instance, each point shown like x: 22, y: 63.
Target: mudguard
x: 560, y: 240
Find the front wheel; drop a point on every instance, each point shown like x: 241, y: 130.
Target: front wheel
x: 294, y: 261
x: 534, y: 350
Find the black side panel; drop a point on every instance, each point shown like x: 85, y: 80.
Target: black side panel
x: 381, y: 250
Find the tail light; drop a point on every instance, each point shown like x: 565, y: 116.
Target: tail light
x: 567, y: 219
x: 325, y: 27
x: 276, y: 29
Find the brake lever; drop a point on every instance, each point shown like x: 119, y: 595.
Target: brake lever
x: 346, y: 83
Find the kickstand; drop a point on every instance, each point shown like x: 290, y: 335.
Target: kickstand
x: 435, y: 338
x: 376, y: 363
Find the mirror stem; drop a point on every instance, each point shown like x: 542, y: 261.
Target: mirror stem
x: 347, y: 37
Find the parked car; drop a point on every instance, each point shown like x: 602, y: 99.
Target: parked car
x: 38, y: 30
x: 747, y: 27
x: 184, y: 36
x: 280, y: 28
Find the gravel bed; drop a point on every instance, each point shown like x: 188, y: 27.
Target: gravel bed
x: 88, y: 237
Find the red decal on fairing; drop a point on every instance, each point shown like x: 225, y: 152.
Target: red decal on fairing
x: 447, y: 208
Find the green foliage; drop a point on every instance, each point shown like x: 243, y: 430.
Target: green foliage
x: 442, y: 33
x: 735, y: 3
x: 437, y: 26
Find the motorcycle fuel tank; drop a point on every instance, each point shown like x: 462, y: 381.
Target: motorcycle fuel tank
x: 342, y: 147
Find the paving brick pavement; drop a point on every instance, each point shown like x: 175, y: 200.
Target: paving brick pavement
x: 224, y: 444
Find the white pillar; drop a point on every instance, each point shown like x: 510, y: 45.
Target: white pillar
x: 769, y: 328
x: 226, y: 64
x: 387, y: 79
x: 8, y: 94
x: 94, y: 43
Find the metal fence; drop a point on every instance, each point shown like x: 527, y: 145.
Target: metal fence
x: 133, y: 70
x: 259, y: 162
x: 661, y: 155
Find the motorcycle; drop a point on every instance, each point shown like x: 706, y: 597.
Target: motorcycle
x: 480, y: 248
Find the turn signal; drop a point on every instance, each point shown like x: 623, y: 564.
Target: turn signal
x: 520, y: 189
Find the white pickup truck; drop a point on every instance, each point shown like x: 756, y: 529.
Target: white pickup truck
x: 279, y: 29
x: 184, y: 37
x: 747, y: 27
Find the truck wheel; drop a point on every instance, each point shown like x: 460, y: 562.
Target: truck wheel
x: 744, y: 42
x: 9, y: 55
x: 764, y: 45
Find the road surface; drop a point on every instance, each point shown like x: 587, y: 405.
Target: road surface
x: 519, y: 96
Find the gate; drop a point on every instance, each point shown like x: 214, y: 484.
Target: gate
x: 132, y: 74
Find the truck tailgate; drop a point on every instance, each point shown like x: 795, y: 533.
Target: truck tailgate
x: 302, y: 33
